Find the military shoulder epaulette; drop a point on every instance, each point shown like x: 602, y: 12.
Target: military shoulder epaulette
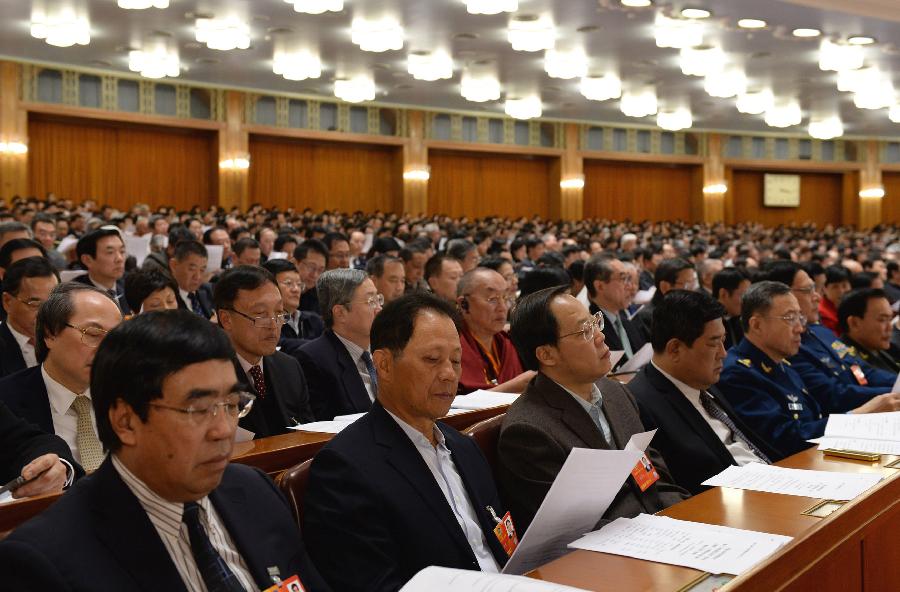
x: 785, y: 362
x: 746, y: 362
x: 765, y: 368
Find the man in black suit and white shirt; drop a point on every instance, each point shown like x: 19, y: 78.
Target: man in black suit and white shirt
x: 699, y: 434
x: 102, y: 252
x: 27, y: 284
x: 301, y: 326
x: 165, y: 511
x: 187, y: 266
x: 606, y: 280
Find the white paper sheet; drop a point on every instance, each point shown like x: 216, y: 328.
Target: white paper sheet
x: 67, y: 243
x: 896, y: 387
x: 582, y: 491
x: 816, y: 484
x: 242, y: 435
x: 278, y: 255
x: 859, y: 444
x: 483, y: 400
x: 329, y: 427
x: 445, y: 579
x: 640, y: 359
x: 138, y: 246
x: 645, y: 296
x: 67, y: 275
x: 614, y: 356
x: 869, y: 426
x: 6, y: 497
x: 214, y: 257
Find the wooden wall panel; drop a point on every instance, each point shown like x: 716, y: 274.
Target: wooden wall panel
x: 637, y: 191
x: 890, y: 206
x: 488, y: 184
x: 820, y: 199
x: 121, y: 164
x: 325, y: 175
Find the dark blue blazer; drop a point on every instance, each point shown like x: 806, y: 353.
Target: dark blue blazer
x: 120, y: 291
x: 98, y: 538
x: 20, y: 443
x: 311, y: 327
x: 335, y: 386
x: 374, y: 515
x: 287, y: 398
x: 26, y: 395
x: 204, y: 293
x: 11, y: 359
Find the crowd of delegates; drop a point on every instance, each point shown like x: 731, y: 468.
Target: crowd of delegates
x: 141, y: 375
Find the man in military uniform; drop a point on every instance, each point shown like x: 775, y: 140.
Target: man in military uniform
x: 865, y: 319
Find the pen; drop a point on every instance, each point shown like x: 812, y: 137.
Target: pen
x: 20, y: 481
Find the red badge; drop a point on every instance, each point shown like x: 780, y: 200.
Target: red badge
x: 644, y: 473
x: 292, y: 584
x: 505, y: 532
x: 859, y: 374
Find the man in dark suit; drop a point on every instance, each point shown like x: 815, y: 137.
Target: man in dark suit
x: 699, y: 434
x: 310, y: 258
x: 338, y: 365
x: 27, y: 284
x: 250, y: 311
x: 167, y: 403
x: 301, y: 326
x: 671, y: 274
x: 568, y: 405
x: 606, y: 281
x: 398, y: 491
x: 728, y: 287
x: 187, y: 267
x: 864, y: 317
x: 102, y: 253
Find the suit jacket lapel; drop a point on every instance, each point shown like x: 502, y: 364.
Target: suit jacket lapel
x: 572, y: 414
x: 11, y: 345
x: 38, y: 401
x: 230, y: 503
x: 760, y: 442
x: 272, y: 375
x: 353, y: 384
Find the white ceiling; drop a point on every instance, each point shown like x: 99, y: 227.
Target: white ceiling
x: 616, y: 38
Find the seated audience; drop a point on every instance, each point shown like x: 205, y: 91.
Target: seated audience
x: 166, y: 510
x: 414, y: 256
x: 249, y: 309
x: 386, y: 272
x: 892, y: 283
x: 465, y: 252
x: 102, y: 253
x: 397, y: 491
x: 26, y: 285
x: 158, y: 260
x: 728, y: 288
x: 338, y: 364
x: 149, y: 290
x: 671, y: 274
x: 837, y: 283
x: 607, y: 289
x: 17, y: 249
x: 187, y: 267
x: 217, y: 235
x: 865, y: 319
x: 13, y: 230
x: 699, y: 434
x: 310, y: 259
x: 43, y: 227
x: 247, y: 252
x: 338, y: 246
x: 505, y: 268
x: 442, y: 274
x: 300, y: 326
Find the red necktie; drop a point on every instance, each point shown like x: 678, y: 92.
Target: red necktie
x: 259, y: 383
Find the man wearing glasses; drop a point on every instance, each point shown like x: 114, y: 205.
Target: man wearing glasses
x: 251, y: 312
x: 569, y: 405
x: 165, y: 511
x: 55, y: 395
x: 27, y: 284
x: 607, y: 284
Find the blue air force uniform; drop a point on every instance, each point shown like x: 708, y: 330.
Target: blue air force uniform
x: 825, y: 364
x: 771, y: 398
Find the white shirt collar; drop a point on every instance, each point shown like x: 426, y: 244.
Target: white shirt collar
x: 60, y: 397
x: 247, y: 365
x: 20, y: 339
x: 691, y: 393
x: 353, y: 349
x: 102, y: 287
x: 416, y: 436
x: 185, y: 296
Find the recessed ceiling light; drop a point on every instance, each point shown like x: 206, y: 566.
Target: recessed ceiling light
x: 861, y: 40
x: 752, y: 23
x: 636, y: 3
x: 588, y: 29
x: 465, y: 36
x: 696, y: 13
x: 806, y: 32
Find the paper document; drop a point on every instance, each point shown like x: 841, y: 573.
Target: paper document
x: 896, y: 385
x: 614, y: 356
x: 640, y: 359
x: 707, y: 547
x: 278, y: 255
x: 445, y: 579
x: 67, y: 243
x: 483, y: 400
x: 329, y: 427
x: 645, y: 296
x: 242, y: 435
x: 581, y: 493
x: 859, y: 444
x: 214, y: 258
x: 817, y: 484
x: 138, y: 246
x: 67, y: 275
x: 870, y: 426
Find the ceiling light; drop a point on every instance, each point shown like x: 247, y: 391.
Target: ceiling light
x: 700, y: 61
x: 726, y: 83
x: 60, y: 24
x: 755, y: 102
x: 157, y: 58
x: 837, y: 57
x: 826, y: 129
x: 695, y: 13
x: 749, y: 23
x: 317, y: 6
x: 601, y: 88
x: 377, y: 36
x: 677, y: 33
x: 784, y: 114
x: 565, y: 64
x: 524, y: 108
x: 296, y: 64
x: 491, y: 6
x: 223, y: 33
x: 674, y: 121
x: 430, y: 66
x: 861, y: 40
x: 531, y: 33
x: 806, y: 32
x: 878, y: 94
x: 355, y: 90
x: 638, y: 103
x: 143, y: 4
x: 854, y: 80
x: 872, y: 192
x: 479, y: 87
x: 894, y: 113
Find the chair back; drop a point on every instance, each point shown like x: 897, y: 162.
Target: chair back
x: 486, y: 434
x: 292, y: 483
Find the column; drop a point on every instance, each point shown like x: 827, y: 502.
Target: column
x: 871, y: 189
x: 569, y: 191
x: 416, y: 171
x: 715, y: 187
x: 13, y: 134
x: 234, y: 155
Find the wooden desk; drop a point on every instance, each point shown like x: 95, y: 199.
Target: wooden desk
x: 856, y: 544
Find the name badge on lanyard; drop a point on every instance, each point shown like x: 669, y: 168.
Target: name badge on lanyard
x: 505, y: 531
x: 859, y: 375
x: 644, y: 473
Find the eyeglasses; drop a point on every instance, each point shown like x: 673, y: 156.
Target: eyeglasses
x: 264, y: 322
x: 792, y: 319
x: 375, y: 301
x: 807, y: 290
x: 623, y: 277
x: 32, y: 303
x: 235, y: 408
x: 291, y: 284
x: 90, y: 336
x: 493, y: 301
x: 596, y: 322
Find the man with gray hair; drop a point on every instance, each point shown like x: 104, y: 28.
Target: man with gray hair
x: 11, y: 230
x: 464, y: 251
x: 338, y: 364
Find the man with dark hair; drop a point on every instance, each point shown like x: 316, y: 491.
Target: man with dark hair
x: 187, y: 265
x: 266, y: 239
x: 397, y: 490
x: 386, y: 273
x: 699, y: 434
x: 607, y: 280
x: 102, y: 253
x: 671, y: 274
x: 892, y: 282
x: 218, y: 235
x: 247, y: 252
x: 338, y: 246
x: 569, y: 404
x: 310, y: 258
x: 249, y: 308
x: 837, y: 283
x: 865, y: 319
x: 149, y: 290
x: 442, y: 274
x: 159, y: 259
x: 165, y: 511
x: 301, y: 326
x: 43, y: 227
x: 728, y: 286
x: 338, y: 364
x: 26, y: 285
x: 55, y: 395
x: 19, y: 248
x: 414, y: 256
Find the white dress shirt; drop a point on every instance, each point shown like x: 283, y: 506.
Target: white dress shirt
x: 356, y: 353
x: 741, y: 453
x: 65, y: 419
x: 26, y: 348
x: 166, y: 519
x: 440, y: 463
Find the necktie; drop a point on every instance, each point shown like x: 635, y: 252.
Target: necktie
x: 89, y: 447
x: 604, y: 429
x: 370, y: 368
x: 30, y: 341
x: 259, y: 382
x: 213, y: 569
x: 716, y: 412
x: 623, y: 336
x: 195, y: 303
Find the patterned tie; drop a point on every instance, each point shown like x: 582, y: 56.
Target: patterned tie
x: 259, y: 382
x: 213, y: 569
x: 716, y: 412
x: 370, y: 368
x: 89, y: 447
x: 623, y: 336
x: 195, y: 303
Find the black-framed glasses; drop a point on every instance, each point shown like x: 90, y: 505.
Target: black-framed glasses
x: 90, y: 336
x: 595, y: 323
x: 235, y: 408
x: 264, y: 322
